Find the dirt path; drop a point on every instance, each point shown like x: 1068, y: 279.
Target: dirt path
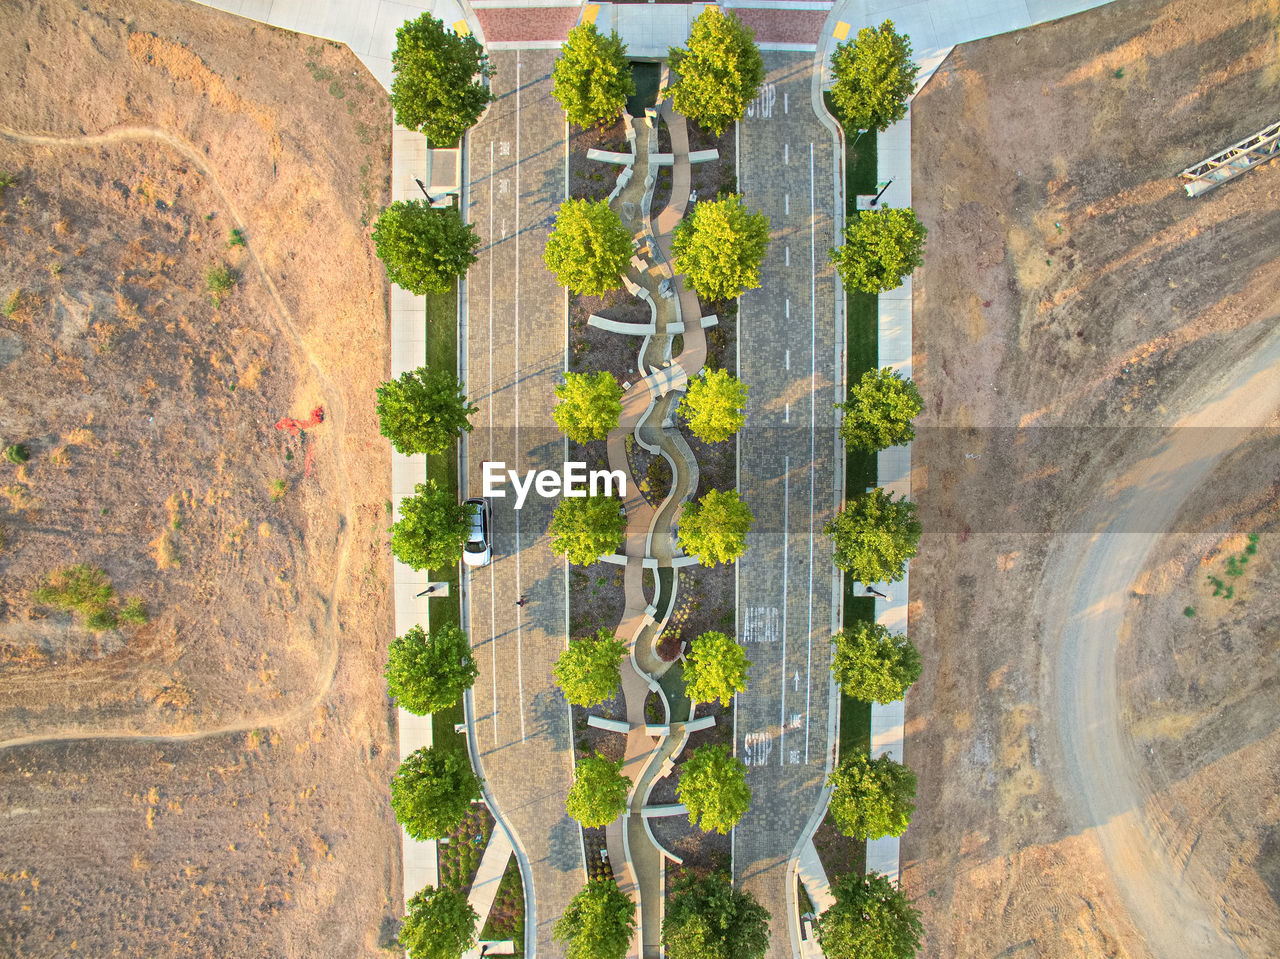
x: 334, y: 413
x: 1083, y: 603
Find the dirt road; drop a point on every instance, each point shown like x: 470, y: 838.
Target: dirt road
x: 1086, y: 583
x: 1094, y: 728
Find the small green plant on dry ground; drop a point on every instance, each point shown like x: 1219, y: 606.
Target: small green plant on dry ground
x: 237, y: 238
x: 17, y: 453
x: 220, y: 280
x: 1235, y: 568
x: 278, y: 489
x: 87, y: 590
x: 6, y: 180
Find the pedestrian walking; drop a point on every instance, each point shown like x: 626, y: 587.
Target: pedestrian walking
x: 521, y: 601
x: 876, y: 592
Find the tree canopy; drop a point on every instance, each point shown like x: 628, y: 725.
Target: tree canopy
x: 710, y: 919
x: 881, y: 247
x: 719, y: 247
x: 438, y: 924
x: 872, y: 798
x: 588, y: 405
x: 719, y: 72
x: 874, y: 536
x: 716, y: 669
x: 592, y: 76
x: 435, y: 88
x: 873, y: 76
x: 598, y: 923
x: 424, y: 248
x: 432, y: 791
x: 871, y: 919
x: 585, y: 528
x: 599, y: 792
x: 714, y: 406
x: 715, y: 528
x: 879, y: 411
x: 429, y: 672
x: 589, y: 671
x: 713, y: 786
x: 432, y: 528
x: 423, y: 411
x: 588, y: 247
x: 872, y: 664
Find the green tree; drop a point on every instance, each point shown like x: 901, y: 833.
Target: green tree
x: 438, y: 924
x: 873, y: 77
x: 709, y: 919
x: 588, y: 405
x: 599, y: 792
x: 716, y: 669
x: 429, y: 672
x: 598, y: 923
x: 432, y: 528
x: 589, y: 671
x: 715, y: 528
x: 436, y: 88
x: 719, y: 247
x: 588, y: 248
x: 423, y: 411
x: 874, y: 536
x: 872, y: 798
x: 713, y: 407
x: 880, y: 248
x: 425, y: 249
x: 585, y: 528
x: 592, y: 76
x: 719, y: 72
x: 432, y: 791
x: 879, y: 411
x: 713, y: 786
x: 872, y: 664
x: 871, y: 919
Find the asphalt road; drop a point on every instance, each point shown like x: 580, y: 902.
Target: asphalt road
x: 1090, y: 578
x: 789, y: 359
x: 515, y: 355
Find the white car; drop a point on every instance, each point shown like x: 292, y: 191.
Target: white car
x: 478, y: 550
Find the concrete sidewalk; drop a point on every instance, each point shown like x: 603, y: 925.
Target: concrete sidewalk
x: 368, y: 27
x: 492, y: 865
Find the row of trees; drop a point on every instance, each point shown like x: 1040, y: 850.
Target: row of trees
x: 718, y: 247
x: 704, y: 918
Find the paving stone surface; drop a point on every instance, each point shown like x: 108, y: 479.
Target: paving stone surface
x: 515, y: 356
x: 790, y: 357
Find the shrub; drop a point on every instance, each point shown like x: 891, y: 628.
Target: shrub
x: 220, y: 280
x: 82, y: 588
x: 237, y: 238
x: 278, y: 489
x: 17, y: 453
x: 134, y: 613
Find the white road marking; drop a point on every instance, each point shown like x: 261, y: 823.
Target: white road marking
x: 786, y: 413
x: 516, y: 311
x: 813, y: 438
x: 786, y: 534
x: 788, y: 304
x: 786, y: 203
x: 786, y: 147
x: 786, y: 253
x: 788, y: 351
x: 786, y: 102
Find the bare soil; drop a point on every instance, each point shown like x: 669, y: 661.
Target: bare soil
x: 213, y: 782
x: 1073, y: 299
